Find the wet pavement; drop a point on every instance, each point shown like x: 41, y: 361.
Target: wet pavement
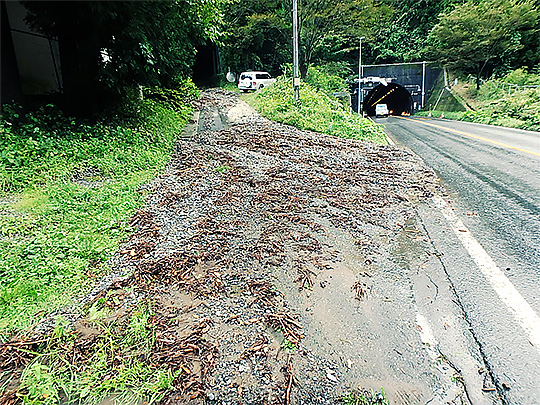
x: 492, y: 175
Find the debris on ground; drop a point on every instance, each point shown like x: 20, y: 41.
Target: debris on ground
x: 245, y: 206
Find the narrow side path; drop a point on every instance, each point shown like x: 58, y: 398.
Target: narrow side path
x: 304, y: 254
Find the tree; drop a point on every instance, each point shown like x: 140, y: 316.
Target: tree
x: 108, y: 47
x: 257, y: 36
x: 477, y: 33
x: 341, y: 21
x: 259, y: 32
x: 402, y: 37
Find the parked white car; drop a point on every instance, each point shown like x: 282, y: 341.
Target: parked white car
x: 254, y: 80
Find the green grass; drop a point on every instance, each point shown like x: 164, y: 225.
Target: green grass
x: 519, y: 110
x: 116, y: 365
x: 364, y: 397
x: 225, y: 85
x: 452, y: 115
x: 288, y: 346
x: 67, y: 188
x: 314, y: 111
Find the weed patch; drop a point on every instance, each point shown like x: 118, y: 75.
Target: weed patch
x: 364, y: 397
x: 112, y: 361
x: 315, y: 111
x: 504, y: 103
x: 67, y: 188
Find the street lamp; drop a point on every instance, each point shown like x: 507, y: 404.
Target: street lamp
x: 359, y: 102
x: 296, y: 77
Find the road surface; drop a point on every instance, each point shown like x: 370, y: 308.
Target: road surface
x: 489, y: 238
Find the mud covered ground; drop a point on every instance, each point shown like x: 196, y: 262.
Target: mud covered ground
x: 278, y: 263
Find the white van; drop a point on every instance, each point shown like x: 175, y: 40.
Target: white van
x: 381, y: 110
x: 254, y: 80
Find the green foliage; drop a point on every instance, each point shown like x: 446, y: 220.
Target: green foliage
x: 522, y: 78
x: 402, y: 35
x: 108, y: 47
x: 504, y: 105
x: 365, y: 397
x: 467, y: 33
x: 288, y: 346
x: 516, y: 107
x: 520, y: 109
x: 224, y: 84
x: 222, y: 169
x: 315, y: 111
x: 175, y: 98
x: 453, y: 115
x: 321, y: 19
x: 42, y: 385
x: 259, y: 32
x: 330, y: 30
x: 475, y: 34
x: 257, y: 35
x: 116, y: 364
x: 67, y: 188
x: 320, y: 80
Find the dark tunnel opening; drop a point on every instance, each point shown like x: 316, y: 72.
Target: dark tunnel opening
x: 205, y: 68
x: 396, y: 97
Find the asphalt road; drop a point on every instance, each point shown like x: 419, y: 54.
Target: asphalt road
x: 488, y: 237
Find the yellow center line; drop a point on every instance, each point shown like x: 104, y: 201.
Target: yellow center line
x: 504, y: 145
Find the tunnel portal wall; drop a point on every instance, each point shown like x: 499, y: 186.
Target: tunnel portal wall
x: 407, y: 75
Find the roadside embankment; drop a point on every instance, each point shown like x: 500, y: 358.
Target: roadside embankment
x: 512, y: 101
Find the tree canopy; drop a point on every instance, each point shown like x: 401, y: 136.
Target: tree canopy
x: 108, y: 46
x: 402, y: 37
x: 259, y: 32
x: 477, y: 33
x: 467, y: 35
x: 256, y: 35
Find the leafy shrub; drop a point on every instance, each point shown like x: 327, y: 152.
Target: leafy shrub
x: 514, y: 107
x: 519, y: 109
x: 117, y: 363
x: 176, y: 98
x: 315, y: 111
x: 43, y: 145
x: 522, y: 78
x: 323, y: 81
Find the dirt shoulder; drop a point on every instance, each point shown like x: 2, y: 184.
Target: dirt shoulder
x: 287, y: 266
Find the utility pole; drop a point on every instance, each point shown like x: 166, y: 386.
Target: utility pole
x: 360, y: 99
x: 423, y: 83
x: 296, y: 77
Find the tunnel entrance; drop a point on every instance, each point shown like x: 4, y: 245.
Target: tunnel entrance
x: 396, y: 97
x: 206, y: 65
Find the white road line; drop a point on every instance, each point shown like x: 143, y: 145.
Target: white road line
x: 389, y: 140
x: 519, y: 307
